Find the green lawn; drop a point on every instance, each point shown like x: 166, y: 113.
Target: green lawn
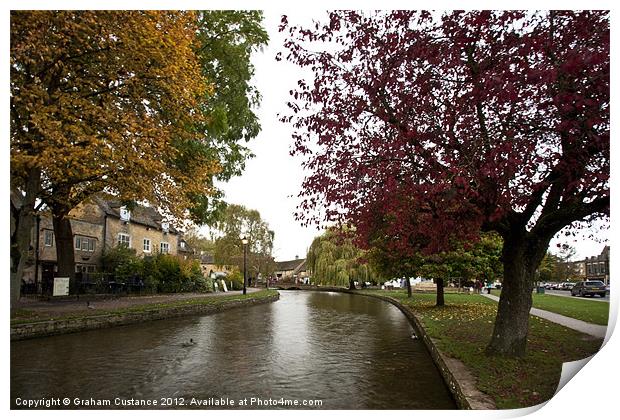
x: 463, y: 328
x: 594, y: 311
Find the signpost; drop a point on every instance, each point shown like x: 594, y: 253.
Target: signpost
x: 61, y: 286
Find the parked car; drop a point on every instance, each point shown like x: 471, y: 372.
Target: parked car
x: 567, y: 286
x: 589, y: 288
x: 392, y: 283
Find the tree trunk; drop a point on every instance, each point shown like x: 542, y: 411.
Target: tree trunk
x: 408, y: 283
x: 521, y: 258
x: 65, y: 257
x: 440, y: 296
x: 23, y: 217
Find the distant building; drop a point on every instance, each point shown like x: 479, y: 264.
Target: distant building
x: 572, y: 271
x: 185, y: 251
x: 211, y: 269
x: 294, y: 270
x: 597, y: 267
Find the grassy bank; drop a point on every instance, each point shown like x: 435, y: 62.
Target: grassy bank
x: 594, y: 311
x: 24, y: 316
x: 462, y: 329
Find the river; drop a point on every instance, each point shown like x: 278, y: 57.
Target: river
x: 326, y: 350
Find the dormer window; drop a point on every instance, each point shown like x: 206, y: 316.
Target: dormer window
x: 165, y: 227
x: 125, y: 214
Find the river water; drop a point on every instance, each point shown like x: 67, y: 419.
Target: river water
x: 324, y: 349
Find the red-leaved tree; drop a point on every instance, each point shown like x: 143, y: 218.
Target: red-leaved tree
x: 439, y: 127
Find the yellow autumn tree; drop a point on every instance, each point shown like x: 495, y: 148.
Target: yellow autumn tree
x: 104, y: 101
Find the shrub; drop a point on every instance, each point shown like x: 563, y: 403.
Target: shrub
x: 169, y: 271
x: 122, y: 262
x: 150, y: 274
x: 237, y: 280
x: 161, y: 273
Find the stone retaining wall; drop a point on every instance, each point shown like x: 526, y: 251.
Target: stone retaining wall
x: 64, y: 326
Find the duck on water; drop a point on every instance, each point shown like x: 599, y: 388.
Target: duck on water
x: 189, y: 343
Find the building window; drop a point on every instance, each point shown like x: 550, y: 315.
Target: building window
x: 48, y: 238
x: 81, y: 268
x: 146, y: 247
x: 164, y: 247
x: 84, y: 243
x: 125, y: 214
x: 602, y: 267
x: 124, y: 240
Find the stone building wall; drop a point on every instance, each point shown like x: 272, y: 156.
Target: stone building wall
x: 137, y: 234
x: 90, y: 223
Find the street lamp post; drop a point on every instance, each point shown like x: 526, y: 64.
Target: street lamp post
x: 244, y: 241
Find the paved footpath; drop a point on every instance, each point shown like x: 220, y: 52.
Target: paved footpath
x: 572, y: 323
x: 103, y: 303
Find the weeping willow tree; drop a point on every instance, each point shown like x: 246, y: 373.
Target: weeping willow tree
x: 334, y: 260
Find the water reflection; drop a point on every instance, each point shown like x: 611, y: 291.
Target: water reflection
x: 348, y: 351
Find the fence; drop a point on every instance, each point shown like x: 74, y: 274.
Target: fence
x: 89, y: 283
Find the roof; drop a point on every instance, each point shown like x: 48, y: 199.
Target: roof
x: 183, y: 247
x: 293, y: 265
x: 603, y: 256
x: 207, y: 259
x: 143, y: 215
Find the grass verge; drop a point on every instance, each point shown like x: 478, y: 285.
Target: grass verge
x: 593, y: 311
x: 24, y: 316
x: 463, y: 328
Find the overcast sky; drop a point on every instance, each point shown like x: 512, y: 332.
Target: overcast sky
x: 272, y: 179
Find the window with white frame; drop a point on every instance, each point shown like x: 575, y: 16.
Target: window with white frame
x: 146, y: 245
x: 84, y: 243
x: 125, y: 214
x: 164, y: 247
x: 124, y: 240
x: 48, y: 238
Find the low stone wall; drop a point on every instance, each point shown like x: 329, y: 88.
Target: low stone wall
x: 457, y: 376
x: 307, y: 287
x: 64, y: 326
